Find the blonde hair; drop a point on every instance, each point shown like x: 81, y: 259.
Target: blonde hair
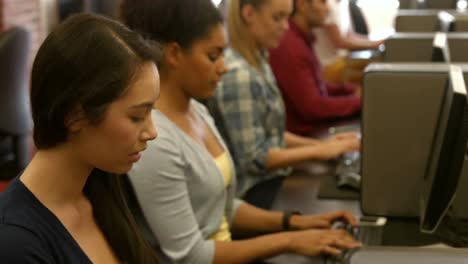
x: 239, y: 37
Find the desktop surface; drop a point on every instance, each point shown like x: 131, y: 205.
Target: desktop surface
x: 299, y: 191
x: 405, y: 255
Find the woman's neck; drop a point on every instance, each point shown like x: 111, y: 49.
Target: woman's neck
x: 172, y: 98
x: 56, y: 176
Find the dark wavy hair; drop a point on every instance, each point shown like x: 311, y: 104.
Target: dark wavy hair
x: 90, y: 61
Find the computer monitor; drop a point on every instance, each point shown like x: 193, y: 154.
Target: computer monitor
x: 446, y: 21
x: 401, y: 106
x: 457, y: 43
x: 408, y: 4
x: 409, y: 47
x: 460, y: 24
x: 417, y: 21
x: 440, y: 50
x: 447, y: 153
x: 440, y: 4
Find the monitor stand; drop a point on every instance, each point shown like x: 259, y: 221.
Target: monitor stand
x: 401, y: 232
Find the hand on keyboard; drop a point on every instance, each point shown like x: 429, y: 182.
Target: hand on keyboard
x: 314, y: 242
x: 333, y: 148
x: 324, y: 220
x: 346, y: 253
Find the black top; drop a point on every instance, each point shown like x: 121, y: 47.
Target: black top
x: 30, y: 233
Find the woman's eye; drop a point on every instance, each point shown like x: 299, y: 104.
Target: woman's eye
x: 279, y: 17
x: 212, y: 58
x: 136, y: 119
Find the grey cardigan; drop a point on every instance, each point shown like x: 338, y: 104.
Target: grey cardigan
x: 181, y: 192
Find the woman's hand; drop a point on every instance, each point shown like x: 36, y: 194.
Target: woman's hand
x: 314, y: 242
x: 300, y: 222
x: 335, y: 146
x: 343, y: 136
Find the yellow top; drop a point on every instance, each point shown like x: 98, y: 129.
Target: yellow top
x: 224, y: 166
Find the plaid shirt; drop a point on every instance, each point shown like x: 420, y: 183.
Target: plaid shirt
x: 252, y: 114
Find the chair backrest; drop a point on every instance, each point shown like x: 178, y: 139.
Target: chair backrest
x: 15, y: 114
x: 357, y: 18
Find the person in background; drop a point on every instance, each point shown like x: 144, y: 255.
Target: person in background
x: 93, y: 84
x: 310, y: 101
x: 185, y: 181
x: 335, y: 38
x: 250, y: 109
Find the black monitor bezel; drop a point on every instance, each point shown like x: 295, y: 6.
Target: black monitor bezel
x: 447, y: 154
x: 440, y: 48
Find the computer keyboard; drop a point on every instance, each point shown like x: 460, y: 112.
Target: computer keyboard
x: 369, y: 232
x: 346, y: 254
x: 343, y: 258
x: 348, y: 170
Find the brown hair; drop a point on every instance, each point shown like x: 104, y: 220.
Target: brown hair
x: 90, y: 61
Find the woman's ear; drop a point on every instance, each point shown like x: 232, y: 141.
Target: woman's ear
x: 75, y: 120
x: 172, y: 54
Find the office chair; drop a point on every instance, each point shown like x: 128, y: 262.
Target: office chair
x: 357, y: 18
x: 15, y: 117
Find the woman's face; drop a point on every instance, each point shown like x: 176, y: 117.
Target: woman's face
x: 316, y: 12
x: 268, y: 22
x: 115, y: 143
x: 203, y: 64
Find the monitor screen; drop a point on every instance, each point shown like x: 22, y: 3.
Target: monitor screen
x: 447, y: 153
x: 440, y: 50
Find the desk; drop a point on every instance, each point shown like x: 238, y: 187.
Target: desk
x: 299, y: 191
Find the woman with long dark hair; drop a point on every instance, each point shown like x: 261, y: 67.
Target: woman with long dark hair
x: 92, y: 88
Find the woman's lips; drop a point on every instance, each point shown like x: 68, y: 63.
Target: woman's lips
x: 135, y: 157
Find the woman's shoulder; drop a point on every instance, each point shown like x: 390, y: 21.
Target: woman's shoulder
x: 200, y: 108
x: 235, y: 63
x: 20, y: 225
x: 164, y: 126
x: 17, y: 204
x: 18, y: 243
